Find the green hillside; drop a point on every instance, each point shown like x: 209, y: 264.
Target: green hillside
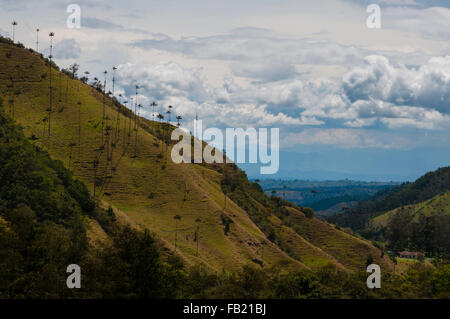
x: 439, y: 204
x: 130, y: 171
x: 47, y: 219
x: 419, y: 227
x: 423, y: 189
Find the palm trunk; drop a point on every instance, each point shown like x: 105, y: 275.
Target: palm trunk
x: 103, y: 110
x: 51, y: 102
x: 198, y: 239
x: 176, y: 234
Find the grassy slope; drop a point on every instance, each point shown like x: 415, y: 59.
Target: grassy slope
x: 439, y: 203
x: 346, y: 249
x: 192, y: 191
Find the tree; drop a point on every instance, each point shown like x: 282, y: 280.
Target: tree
x: 103, y: 109
x: 113, y: 78
x: 14, y: 24
x: 130, y: 118
x: 399, y: 230
x: 113, y: 96
x: 177, y: 218
x: 308, y: 211
x: 96, y: 84
x: 125, y: 126
x: 226, y: 222
x: 179, y: 118
x: 153, y: 105
x: 169, y: 112
x: 71, y: 145
x: 117, y: 137
x: 394, y: 260
x: 136, y: 129
x: 108, y: 153
x: 79, y: 130
x: 60, y: 89
x: 135, y: 107
x: 197, y: 233
x: 421, y: 258
x: 44, y: 127
x: 74, y: 69
x: 11, y: 107
x: 161, y: 117
x: 51, y: 35
x: 95, y: 164
x: 37, y: 40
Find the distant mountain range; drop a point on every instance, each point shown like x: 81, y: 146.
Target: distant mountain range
x: 325, y: 197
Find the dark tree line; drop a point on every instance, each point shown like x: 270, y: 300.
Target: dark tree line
x: 430, y: 234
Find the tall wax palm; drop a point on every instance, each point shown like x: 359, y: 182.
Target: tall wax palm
x: 60, y: 87
x: 95, y: 163
x: 14, y: 24
x: 135, y: 106
x: 113, y: 78
x: 113, y: 95
x: 179, y: 118
x: 67, y: 91
x: 51, y: 35
x: 197, y: 233
x: 165, y: 134
x: 124, y: 125
x: 118, y: 120
x: 37, y: 40
x: 111, y: 137
x: 170, y: 112
x: 131, y: 116
x: 103, y: 107
x: 153, y: 105
x: 137, y: 128
x: 139, y: 112
x: 177, y: 218
x: 79, y: 131
x: 44, y: 127
x: 108, y: 153
x: 161, y: 118
x: 71, y: 145
x: 11, y: 107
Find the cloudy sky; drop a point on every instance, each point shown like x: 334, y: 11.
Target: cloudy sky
x: 349, y: 101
